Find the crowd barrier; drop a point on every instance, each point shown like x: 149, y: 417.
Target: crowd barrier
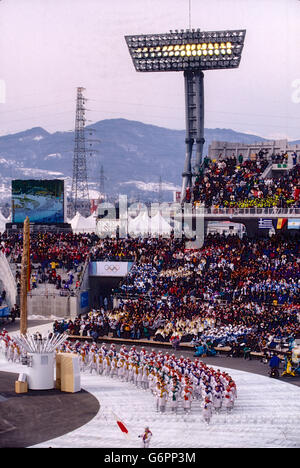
x: 145, y: 342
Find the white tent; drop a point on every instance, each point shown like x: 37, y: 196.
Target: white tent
x: 90, y: 223
x: 75, y: 222
x: 81, y: 224
x: 2, y: 225
x: 144, y: 225
x: 139, y: 226
x: 3, y: 222
x: 159, y: 226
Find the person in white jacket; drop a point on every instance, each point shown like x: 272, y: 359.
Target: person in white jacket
x: 126, y: 370
x: 152, y: 379
x: 113, y: 366
x: 82, y: 359
x: 100, y: 364
x: 161, y: 397
x: 92, y: 365
x: 187, y: 397
x: 17, y: 354
x: 173, y: 398
x: 207, y: 409
x: 217, y: 398
x: 10, y: 351
x: 106, y: 366
x: 229, y: 398
x: 145, y: 380
x: 139, y: 378
x: 119, y: 367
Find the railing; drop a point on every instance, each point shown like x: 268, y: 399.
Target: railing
x: 85, y: 266
x: 251, y: 212
x: 281, y: 166
x: 109, y: 258
x: 49, y: 294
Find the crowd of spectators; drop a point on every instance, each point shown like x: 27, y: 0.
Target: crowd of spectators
x: 225, y: 268
x: 232, y: 269
x: 223, y: 325
x: 143, y: 249
x: 55, y: 258
x: 230, y: 290
x: 233, y: 183
x: 66, y: 248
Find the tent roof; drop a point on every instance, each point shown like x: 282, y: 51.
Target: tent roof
x: 82, y: 224
x: 159, y: 224
x: 143, y: 224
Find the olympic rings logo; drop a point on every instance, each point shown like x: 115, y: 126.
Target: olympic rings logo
x: 111, y: 268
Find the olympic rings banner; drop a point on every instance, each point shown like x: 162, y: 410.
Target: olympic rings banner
x: 109, y: 268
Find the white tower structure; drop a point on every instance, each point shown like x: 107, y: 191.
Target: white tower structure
x: 39, y: 353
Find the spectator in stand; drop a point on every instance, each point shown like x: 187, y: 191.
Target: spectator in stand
x: 231, y: 184
x: 230, y: 289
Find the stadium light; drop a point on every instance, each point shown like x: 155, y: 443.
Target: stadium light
x: 188, y: 50
x: 192, y: 52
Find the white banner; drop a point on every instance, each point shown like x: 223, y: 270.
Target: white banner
x: 109, y: 268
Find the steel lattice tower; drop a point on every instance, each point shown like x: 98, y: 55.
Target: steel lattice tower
x: 101, y: 182
x: 80, y: 190
x: 160, y: 190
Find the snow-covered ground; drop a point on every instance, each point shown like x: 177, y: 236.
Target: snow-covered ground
x: 266, y: 414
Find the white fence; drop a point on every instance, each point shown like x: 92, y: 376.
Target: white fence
x: 252, y: 212
x: 8, y: 280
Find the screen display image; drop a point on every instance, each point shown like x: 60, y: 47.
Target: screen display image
x: 41, y: 200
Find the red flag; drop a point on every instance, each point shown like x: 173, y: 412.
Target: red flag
x: 121, y: 425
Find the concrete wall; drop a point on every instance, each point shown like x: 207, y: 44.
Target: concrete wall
x: 49, y: 305
x: 54, y: 305
x: 73, y: 307
x: 8, y: 280
x: 226, y: 148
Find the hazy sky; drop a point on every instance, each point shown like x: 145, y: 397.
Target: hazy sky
x: 50, y: 47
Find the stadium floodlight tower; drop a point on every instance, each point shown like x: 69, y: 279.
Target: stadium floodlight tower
x: 189, y: 51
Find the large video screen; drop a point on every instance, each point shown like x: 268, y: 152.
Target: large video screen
x: 41, y: 200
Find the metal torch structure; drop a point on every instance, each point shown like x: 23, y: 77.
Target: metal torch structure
x: 38, y: 354
x: 35, y: 343
x: 191, y: 52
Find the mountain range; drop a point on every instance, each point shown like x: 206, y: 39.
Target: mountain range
x: 134, y: 156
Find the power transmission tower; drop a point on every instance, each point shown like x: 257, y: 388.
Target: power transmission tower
x: 101, y: 184
x: 160, y: 190
x: 80, y: 190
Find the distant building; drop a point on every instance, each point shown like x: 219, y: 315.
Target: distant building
x: 223, y: 149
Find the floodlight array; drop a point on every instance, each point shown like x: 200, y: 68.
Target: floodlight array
x: 186, y: 50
